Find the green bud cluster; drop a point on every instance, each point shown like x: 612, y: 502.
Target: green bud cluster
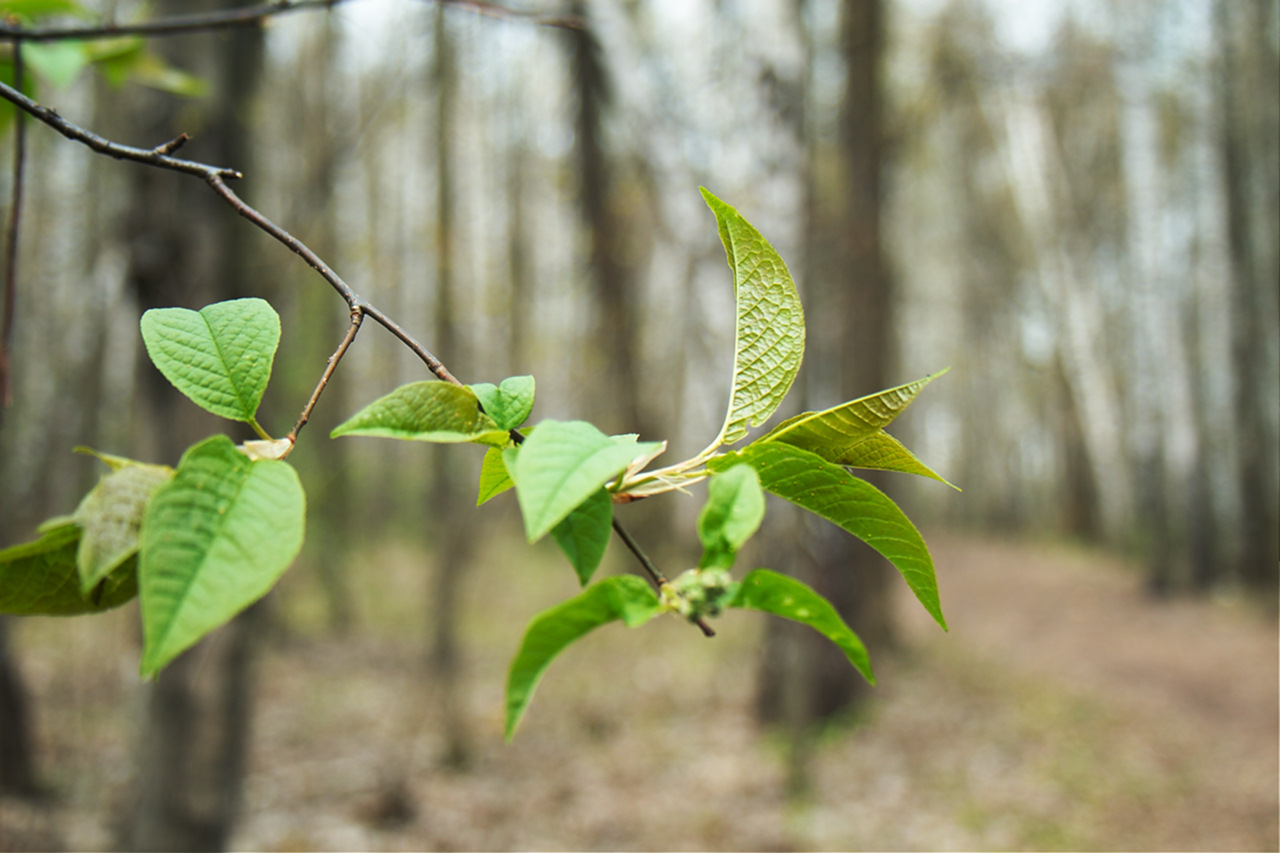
x: 699, y: 592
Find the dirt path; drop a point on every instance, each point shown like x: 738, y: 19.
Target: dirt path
x: 1064, y: 710
x: 1084, y: 620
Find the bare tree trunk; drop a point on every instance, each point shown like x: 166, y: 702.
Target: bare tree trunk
x: 452, y: 529
x: 187, y: 249
x: 804, y: 680
x: 17, y: 758
x: 1249, y: 127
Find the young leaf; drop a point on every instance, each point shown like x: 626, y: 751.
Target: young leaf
x: 882, y: 452
x: 561, y: 464
x: 852, y: 434
x: 584, y: 534
x: 111, y: 517
x: 30, y: 10
x: 624, y: 597
x: 787, y: 597
x: 829, y: 432
x: 510, y: 403
x: 733, y: 512
x: 769, y: 328
x: 40, y: 578
x: 426, y: 411
x: 831, y: 492
x: 494, y: 479
x: 215, y: 539
x: 219, y: 356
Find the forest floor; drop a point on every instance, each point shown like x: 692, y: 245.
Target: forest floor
x: 1064, y: 710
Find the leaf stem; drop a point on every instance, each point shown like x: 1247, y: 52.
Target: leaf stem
x: 257, y: 427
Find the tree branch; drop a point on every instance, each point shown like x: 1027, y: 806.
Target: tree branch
x: 215, y: 176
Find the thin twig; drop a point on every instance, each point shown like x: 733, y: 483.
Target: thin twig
x: 160, y: 157
x: 655, y: 574
x: 11, y: 238
x: 357, y: 317
x: 249, y: 16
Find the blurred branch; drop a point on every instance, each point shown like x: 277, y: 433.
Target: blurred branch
x: 11, y: 238
x: 249, y: 16
x: 161, y: 157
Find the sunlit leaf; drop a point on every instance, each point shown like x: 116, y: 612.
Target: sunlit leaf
x: 787, y: 597
x: 732, y: 513
x: 882, y: 452
x: 584, y: 534
x: 625, y: 597
x: 509, y: 403
x: 831, y: 492
x: 215, y: 539
x: 769, y: 325
x: 561, y: 464
x: 40, y: 578
x: 852, y: 434
x: 432, y: 411
x: 219, y: 356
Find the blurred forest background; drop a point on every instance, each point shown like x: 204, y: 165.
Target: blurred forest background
x: 1073, y: 205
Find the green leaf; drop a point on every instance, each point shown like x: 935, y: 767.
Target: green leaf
x: 831, y: 492
x: 624, y: 597
x: 882, y: 452
x: 769, y: 327
x: 561, y: 464
x: 58, y: 63
x: 852, y: 434
x: 510, y: 403
x: 152, y: 71
x: 787, y: 597
x: 432, y: 411
x: 827, y: 433
x: 40, y: 578
x: 732, y: 513
x: 219, y: 356
x: 215, y: 539
x: 111, y: 518
x: 583, y: 536
x: 494, y: 479
x: 31, y: 10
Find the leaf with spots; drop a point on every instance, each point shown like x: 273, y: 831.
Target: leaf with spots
x: 787, y: 597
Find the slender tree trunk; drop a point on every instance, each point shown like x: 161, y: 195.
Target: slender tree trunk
x: 188, y: 249
x: 804, y: 681
x: 1249, y: 128
x: 17, y: 759
x: 452, y: 533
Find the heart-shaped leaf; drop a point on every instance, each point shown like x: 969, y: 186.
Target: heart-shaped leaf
x: 510, y: 403
x: 769, y: 324
x: 215, y: 539
x: 561, y: 464
x: 624, y: 597
x: 219, y: 356
x: 433, y: 411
